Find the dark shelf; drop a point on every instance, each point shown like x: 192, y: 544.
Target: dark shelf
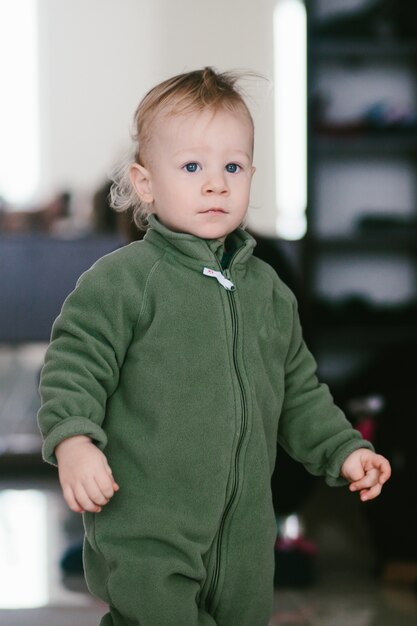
x: 362, y: 49
x: 375, y: 144
x: 339, y: 335
x: 355, y: 320
x: 378, y: 242
x: 376, y: 137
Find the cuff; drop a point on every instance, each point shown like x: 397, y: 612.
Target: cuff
x: 333, y: 477
x: 69, y: 428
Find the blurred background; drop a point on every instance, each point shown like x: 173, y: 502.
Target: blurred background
x: 333, y: 210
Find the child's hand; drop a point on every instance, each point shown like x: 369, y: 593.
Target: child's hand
x: 86, y: 479
x: 366, y: 472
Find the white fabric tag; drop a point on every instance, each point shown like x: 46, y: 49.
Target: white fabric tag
x: 225, y: 282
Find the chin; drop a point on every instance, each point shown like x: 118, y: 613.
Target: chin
x: 213, y: 233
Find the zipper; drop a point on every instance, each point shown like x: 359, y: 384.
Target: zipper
x: 243, y: 429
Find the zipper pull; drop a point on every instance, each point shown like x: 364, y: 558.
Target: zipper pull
x: 225, y: 282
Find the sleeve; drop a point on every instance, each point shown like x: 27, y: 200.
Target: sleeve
x: 312, y: 429
x: 82, y: 365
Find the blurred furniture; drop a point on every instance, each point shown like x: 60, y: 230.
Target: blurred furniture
x: 361, y: 247
x: 37, y: 272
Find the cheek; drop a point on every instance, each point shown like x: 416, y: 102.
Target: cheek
x: 244, y: 190
x: 163, y: 190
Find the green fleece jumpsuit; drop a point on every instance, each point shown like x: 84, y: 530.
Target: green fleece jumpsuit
x: 186, y: 376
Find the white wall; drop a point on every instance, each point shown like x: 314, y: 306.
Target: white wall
x: 98, y: 58
x: 93, y: 70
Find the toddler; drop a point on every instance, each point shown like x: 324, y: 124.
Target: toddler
x: 175, y: 366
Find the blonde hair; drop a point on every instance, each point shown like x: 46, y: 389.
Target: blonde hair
x: 184, y: 93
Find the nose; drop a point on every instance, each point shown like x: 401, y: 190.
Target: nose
x: 216, y: 183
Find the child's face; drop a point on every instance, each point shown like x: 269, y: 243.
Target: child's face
x: 199, y: 172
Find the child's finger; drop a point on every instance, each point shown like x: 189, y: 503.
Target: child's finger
x: 109, y: 478
x: 385, y: 473
x: 84, y: 501
x: 95, y: 493
x: 371, y: 493
x: 71, y: 501
x: 369, y: 480
x: 115, y: 486
x: 106, y: 485
x: 383, y: 466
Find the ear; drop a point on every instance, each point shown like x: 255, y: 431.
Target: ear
x: 141, y: 180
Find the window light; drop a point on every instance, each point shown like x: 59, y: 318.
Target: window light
x: 290, y: 80
x: 19, y: 110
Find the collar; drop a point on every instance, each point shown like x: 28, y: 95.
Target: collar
x: 196, y: 252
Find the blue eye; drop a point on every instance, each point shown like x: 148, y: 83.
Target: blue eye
x: 232, y: 168
x: 191, y: 167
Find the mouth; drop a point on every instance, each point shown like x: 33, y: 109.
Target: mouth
x: 214, y: 211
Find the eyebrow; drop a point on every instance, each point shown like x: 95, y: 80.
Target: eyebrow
x: 197, y: 149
